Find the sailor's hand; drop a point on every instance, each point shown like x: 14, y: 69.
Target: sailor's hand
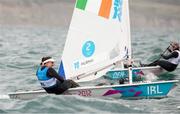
x: 170, y: 49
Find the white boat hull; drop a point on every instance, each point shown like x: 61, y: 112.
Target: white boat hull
x: 138, y: 90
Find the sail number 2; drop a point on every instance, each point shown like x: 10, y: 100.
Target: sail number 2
x: 88, y: 48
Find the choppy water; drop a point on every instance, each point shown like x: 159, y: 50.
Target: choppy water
x: 22, y: 48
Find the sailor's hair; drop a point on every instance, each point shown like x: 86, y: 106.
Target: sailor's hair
x: 44, y: 60
x: 176, y: 45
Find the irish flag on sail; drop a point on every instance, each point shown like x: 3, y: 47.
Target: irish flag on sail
x: 110, y: 9
x: 98, y: 36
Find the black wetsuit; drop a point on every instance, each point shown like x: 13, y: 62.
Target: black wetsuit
x: 61, y: 84
x: 166, y: 64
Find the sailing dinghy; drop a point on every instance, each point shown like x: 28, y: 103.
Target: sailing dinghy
x: 98, y: 39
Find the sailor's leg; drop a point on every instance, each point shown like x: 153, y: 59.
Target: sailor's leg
x: 155, y: 63
x: 69, y: 84
x: 60, y: 87
x: 166, y: 65
x: 73, y: 84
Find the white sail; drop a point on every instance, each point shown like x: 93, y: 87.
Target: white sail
x: 98, y: 36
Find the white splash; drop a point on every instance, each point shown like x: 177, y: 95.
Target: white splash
x: 178, y: 107
x: 151, y: 77
x: 4, y: 97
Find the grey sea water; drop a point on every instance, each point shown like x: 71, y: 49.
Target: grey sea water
x: 21, y: 49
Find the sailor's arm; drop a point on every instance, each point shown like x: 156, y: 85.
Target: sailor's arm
x: 51, y: 72
x: 172, y: 55
x: 170, y: 50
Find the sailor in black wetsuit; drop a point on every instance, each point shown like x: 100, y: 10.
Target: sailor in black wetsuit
x: 171, y: 61
x: 50, y: 80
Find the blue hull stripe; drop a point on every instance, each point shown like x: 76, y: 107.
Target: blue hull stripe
x: 149, y: 90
